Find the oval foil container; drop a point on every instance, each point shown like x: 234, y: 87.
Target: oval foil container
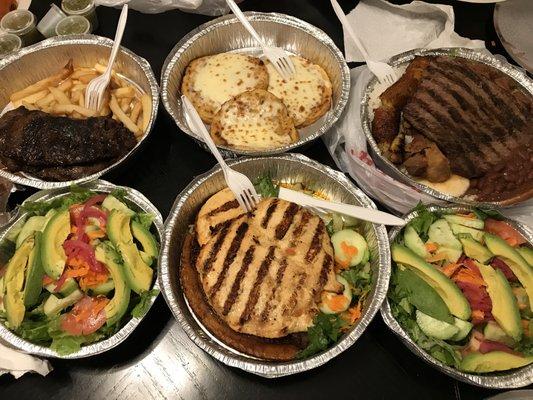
x: 291, y: 168
x: 496, y: 380
x: 46, y: 58
x: 226, y: 34
x: 403, y: 60
x: 137, y: 201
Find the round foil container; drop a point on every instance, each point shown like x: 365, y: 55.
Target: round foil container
x: 497, y: 380
x: 291, y: 168
x: 30, y: 64
x: 402, y: 60
x: 137, y: 202
x: 226, y: 34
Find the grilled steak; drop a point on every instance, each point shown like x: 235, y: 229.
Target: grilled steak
x: 60, y: 148
x: 478, y: 118
x: 263, y: 273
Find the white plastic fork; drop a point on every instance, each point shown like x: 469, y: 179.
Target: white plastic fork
x: 242, y: 187
x: 94, y: 93
x: 276, y: 55
x: 383, y: 71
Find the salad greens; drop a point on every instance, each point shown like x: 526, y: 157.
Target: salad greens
x: 423, y: 221
x: 266, y: 187
x: 326, y: 330
x: 78, y: 194
x: 143, y: 305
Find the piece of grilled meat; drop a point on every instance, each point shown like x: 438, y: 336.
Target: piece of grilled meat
x: 60, y: 148
x: 263, y: 273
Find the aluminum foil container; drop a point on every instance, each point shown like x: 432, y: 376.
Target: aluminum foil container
x: 497, y: 380
x: 291, y: 168
x: 400, y: 62
x: 226, y: 34
x: 46, y: 58
x: 137, y: 202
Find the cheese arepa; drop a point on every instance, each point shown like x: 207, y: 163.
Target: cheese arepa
x: 253, y: 120
x: 307, y: 94
x: 212, y: 80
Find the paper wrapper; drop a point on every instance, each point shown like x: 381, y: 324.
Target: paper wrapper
x: 17, y: 363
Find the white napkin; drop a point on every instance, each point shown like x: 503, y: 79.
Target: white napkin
x: 17, y: 363
x: 387, y: 30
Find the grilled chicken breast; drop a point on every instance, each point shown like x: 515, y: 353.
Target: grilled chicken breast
x: 263, y: 272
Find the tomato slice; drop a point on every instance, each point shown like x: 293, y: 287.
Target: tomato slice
x: 86, y: 317
x: 505, y: 231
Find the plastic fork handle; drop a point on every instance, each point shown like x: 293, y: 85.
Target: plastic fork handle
x: 367, y: 214
x: 346, y: 25
x: 118, y: 38
x: 238, y: 13
x: 198, y: 127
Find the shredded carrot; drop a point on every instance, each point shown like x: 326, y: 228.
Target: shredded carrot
x: 354, y: 313
x: 478, y: 315
x: 73, y: 229
x: 97, y: 234
x: 431, y: 247
x: 343, y: 264
x: 337, y: 302
x: 468, y: 276
x: 449, y: 269
x: 436, y: 257
x: 350, y: 251
x: 525, y: 326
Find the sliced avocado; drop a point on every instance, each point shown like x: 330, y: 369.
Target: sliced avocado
x: 138, y: 273
x: 118, y: 305
x: 514, y: 260
x: 34, y: 273
x: 460, y: 229
x: 493, y: 361
x: 474, y: 249
x: 33, y: 224
x: 147, y: 241
x: 348, y: 239
x: 445, y: 287
x: 464, y: 329
x: 493, y: 332
x: 504, y: 306
x: 53, y: 305
x: 435, y: 328
x: 112, y: 203
x: 440, y: 232
x: 527, y: 254
x: 14, y: 282
x: 475, y: 223
x: 522, y: 300
x: 413, y: 242
x: 103, y: 288
x: 67, y: 288
x: 54, y: 235
x: 2, y: 293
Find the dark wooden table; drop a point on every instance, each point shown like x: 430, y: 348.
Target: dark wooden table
x: 158, y: 360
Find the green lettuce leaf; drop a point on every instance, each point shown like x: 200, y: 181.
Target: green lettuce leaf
x: 143, y: 304
x: 77, y: 194
x: 484, y: 214
x: 265, y: 186
x: 145, y: 219
x: 327, y: 329
x: 359, y: 278
x: 423, y: 221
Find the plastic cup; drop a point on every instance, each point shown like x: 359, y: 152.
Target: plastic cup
x: 9, y: 43
x: 22, y: 24
x: 84, y: 8
x: 47, y: 25
x: 73, y: 25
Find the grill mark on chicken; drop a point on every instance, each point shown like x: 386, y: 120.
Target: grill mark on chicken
x: 304, y: 220
x: 270, y: 210
x: 254, y: 294
x: 286, y: 222
x: 315, y: 242
x: 327, y: 263
x: 230, y: 257
x: 279, y: 278
x: 232, y: 297
x: 224, y: 207
x: 215, y: 250
x: 293, y: 299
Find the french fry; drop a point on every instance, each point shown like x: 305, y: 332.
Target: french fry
x: 125, y: 104
x: 60, y: 96
x: 29, y: 106
x: 65, y: 85
x: 115, y: 108
x: 80, y: 71
x: 45, y: 101
x: 75, y: 96
x: 43, y: 84
x: 87, y: 78
x: 78, y: 86
x: 81, y: 100
x: 31, y: 99
x: 127, y: 91
x: 146, y: 101
x: 136, y: 111
x: 70, y: 108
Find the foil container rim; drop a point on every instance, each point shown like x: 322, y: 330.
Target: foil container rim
x: 187, y: 40
x: 99, y: 185
x: 503, y: 380
x: 260, y: 367
x: 403, y: 58
x: 86, y: 39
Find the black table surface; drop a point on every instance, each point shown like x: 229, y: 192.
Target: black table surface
x: 158, y: 360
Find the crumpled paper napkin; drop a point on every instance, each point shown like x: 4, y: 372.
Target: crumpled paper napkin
x: 386, y: 30
x: 17, y: 363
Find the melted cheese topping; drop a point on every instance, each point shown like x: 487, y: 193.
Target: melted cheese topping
x: 304, y: 92
x: 225, y: 76
x: 251, y: 121
x: 455, y: 186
